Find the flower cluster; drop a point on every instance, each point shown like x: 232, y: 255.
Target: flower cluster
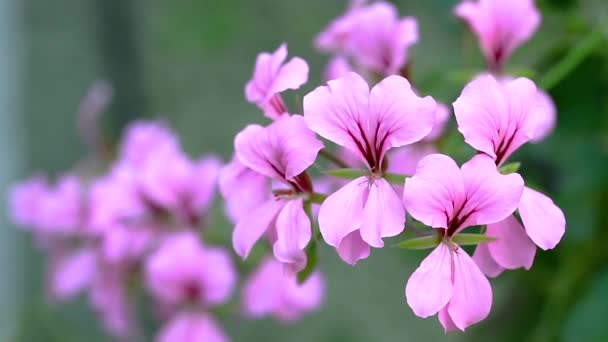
x: 146, y: 217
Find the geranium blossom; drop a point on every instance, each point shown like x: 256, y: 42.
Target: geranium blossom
x: 501, y: 26
x: 368, y: 123
x: 282, y: 151
x: 271, y: 77
x: 442, y: 196
x: 270, y: 291
x: 496, y: 118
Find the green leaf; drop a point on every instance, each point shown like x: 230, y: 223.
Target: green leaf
x: 465, y: 239
x: 395, y: 178
x: 311, y: 264
x: 509, y: 168
x: 424, y: 242
x: 347, y: 173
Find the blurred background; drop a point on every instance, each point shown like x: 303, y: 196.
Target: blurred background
x: 188, y: 61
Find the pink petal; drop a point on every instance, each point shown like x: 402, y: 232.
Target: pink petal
x: 486, y: 262
x: 261, y: 292
x: 497, y: 117
x: 398, y: 116
x: 282, y: 150
x: 491, y: 196
x: 472, y: 294
x: 548, y: 114
x: 545, y: 222
x: 299, y: 299
x: 342, y: 212
x: 266, y: 67
x: 436, y: 190
x: 219, y: 276
x: 352, y: 248
x: 481, y: 112
x: 429, y: 288
x: 192, y: 327
x: 293, y: 234
x: 335, y: 110
x: 383, y: 214
x: 206, y: 173
x: 242, y: 188
x: 251, y: 227
x: 446, y: 321
x: 512, y: 248
x: 442, y: 115
x: 337, y: 67
x: 73, y: 273
x: 292, y: 75
x: 405, y: 159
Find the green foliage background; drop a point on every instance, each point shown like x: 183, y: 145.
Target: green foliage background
x: 187, y: 61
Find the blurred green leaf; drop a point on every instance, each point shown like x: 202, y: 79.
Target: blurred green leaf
x: 425, y: 242
x: 469, y: 239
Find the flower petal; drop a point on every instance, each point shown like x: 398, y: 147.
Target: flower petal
x: 282, y: 150
x: 383, y: 214
x: 352, y: 248
x: 342, y: 212
x: 291, y: 75
x: 251, y: 227
x: 472, y: 294
x: 293, y: 234
x: 545, y: 222
x: 512, y: 248
x: 435, y: 191
x: 491, y: 196
x: 446, y: 321
x: 219, y: 275
x: 429, y: 288
x: 399, y: 116
x: 190, y: 326
x: 338, y: 111
x: 486, y: 262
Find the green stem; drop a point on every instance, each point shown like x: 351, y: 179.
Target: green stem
x: 573, y: 58
x: 317, y: 198
x: 325, y: 153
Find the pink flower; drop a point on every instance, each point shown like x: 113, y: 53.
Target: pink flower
x: 179, y: 185
x: 443, y: 196
x: 496, y: 118
x: 380, y: 39
x: 271, y: 77
x: 143, y: 139
x: 269, y: 291
x: 62, y: 209
x: 404, y: 159
x: 115, y: 199
x: 368, y: 124
x: 373, y: 35
x: 501, y: 26
x: 282, y: 151
x: 183, y: 271
x: 192, y: 327
x: 242, y: 188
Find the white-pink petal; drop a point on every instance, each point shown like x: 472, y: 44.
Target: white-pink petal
x: 383, y: 214
x: 251, y: 227
x: 544, y: 221
x: 429, y: 288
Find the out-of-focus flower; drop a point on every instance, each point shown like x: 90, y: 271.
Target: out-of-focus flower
x: 501, y: 26
x: 110, y: 299
x: 192, y: 326
x: 443, y: 196
x: 282, y: 151
x: 183, y: 271
x: 373, y: 35
x: 368, y: 124
x: 337, y: 67
x: 271, y: 77
x: 269, y: 291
